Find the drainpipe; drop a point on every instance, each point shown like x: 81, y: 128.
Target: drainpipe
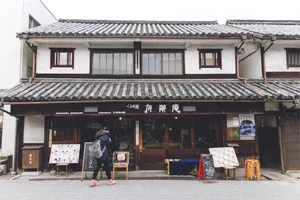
x: 264, y: 58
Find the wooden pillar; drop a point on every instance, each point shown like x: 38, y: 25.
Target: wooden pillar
x: 137, y: 143
x: 193, y: 134
x: 280, y: 144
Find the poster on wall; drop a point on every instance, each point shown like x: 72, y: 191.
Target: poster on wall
x: 233, y: 127
x: 247, y: 127
x: 64, y: 153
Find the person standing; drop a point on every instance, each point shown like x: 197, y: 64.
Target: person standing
x: 103, y: 136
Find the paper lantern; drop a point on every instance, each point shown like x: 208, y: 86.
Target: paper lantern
x: 121, y: 157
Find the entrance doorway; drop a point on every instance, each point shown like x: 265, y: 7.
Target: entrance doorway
x: 176, y: 137
x: 268, y: 142
x: 291, y: 140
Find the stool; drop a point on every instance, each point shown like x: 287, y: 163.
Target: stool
x: 116, y: 166
x: 168, y: 166
x: 248, y: 161
x: 227, y: 169
x: 252, y: 168
x: 66, y: 165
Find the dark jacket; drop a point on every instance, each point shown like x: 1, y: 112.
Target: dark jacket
x: 105, y: 140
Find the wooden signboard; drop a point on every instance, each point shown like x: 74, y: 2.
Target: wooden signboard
x: 206, y: 168
x: 88, y: 164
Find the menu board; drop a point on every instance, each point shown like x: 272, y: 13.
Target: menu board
x: 224, y: 157
x: 64, y: 153
x: 208, y: 167
x: 88, y: 163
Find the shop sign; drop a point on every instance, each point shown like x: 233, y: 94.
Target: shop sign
x: 162, y: 108
x: 69, y: 113
x: 134, y: 106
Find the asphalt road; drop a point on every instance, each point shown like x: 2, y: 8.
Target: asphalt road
x: 154, y: 189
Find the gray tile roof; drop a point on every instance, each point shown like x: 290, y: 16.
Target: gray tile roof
x: 106, y: 28
x: 278, y: 28
x: 80, y: 89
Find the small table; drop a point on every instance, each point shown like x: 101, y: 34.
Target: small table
x: 227, y: 169
x: 66, y: 165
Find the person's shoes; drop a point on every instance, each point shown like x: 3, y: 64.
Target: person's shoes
x: 111, y: 182
x: 93, y: 183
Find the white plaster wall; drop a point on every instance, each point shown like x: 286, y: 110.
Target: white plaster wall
x: 81, y: 60
x: 276, y: 59
x: 34, y: 129
x: 251, y: 67
x: 192, y: 60
x: 9, y: 134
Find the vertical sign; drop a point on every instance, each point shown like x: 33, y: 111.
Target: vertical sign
x: 137, y: 132
x: 50, y: 138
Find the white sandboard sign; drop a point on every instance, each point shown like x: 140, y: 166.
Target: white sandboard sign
x: 64, y: 153
x: 224, y: 157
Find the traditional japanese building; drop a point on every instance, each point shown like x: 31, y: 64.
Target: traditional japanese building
x: 165, y: 89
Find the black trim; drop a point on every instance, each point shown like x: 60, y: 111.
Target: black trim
x: 186, y: 76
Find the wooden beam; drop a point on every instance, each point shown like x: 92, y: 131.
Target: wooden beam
x: 193, y: 134
x: 281, y: 145
x: 129, y: 100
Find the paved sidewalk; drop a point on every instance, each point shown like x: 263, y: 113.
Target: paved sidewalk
x: 149, y: 190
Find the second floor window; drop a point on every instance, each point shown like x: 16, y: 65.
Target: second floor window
x: 62, y: 57
x: 114, y: 63
x: 293, y: 57
x: 32, y: 23
x: 210, y: 58
x: 162, y: 62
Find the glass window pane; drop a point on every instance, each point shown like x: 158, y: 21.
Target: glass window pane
x: 70, y: 58
x: 166, y: 63
x: 151, y: 63
x: 117, y: 63
x: 158, y: 64
x: 179, y: 67
x: 172, y: 64
x: 145, y: 65
x: 96, y: 64
x: 210, y: 59
x: 123, y: 63
x: 102, y: 66
x: 63, y: 58
x: 129, y: 68
x: 202, y: 59
x: 109, y: 63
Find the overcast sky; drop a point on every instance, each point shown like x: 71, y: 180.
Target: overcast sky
x: 175, y: 10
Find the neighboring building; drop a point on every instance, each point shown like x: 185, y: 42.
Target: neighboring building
x: 17, y: 57
x: 281, y: 62
x: 165, y: 89
x: 1, y: 120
